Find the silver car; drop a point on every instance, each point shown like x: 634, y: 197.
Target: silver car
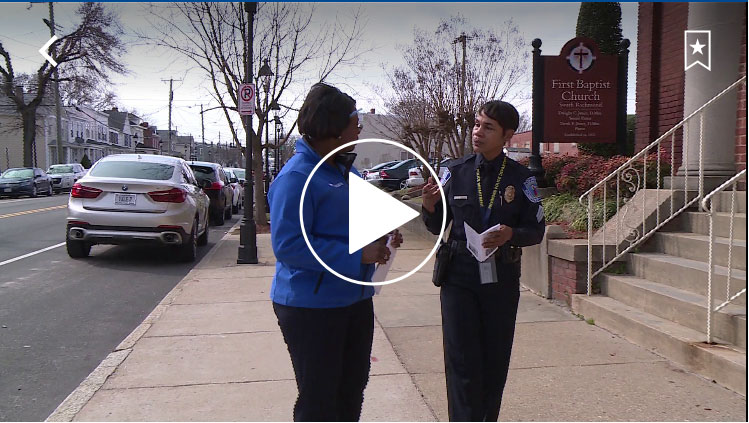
x: 65, y: 175
x: 138, y: 198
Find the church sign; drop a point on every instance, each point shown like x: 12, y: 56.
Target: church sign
x: 582, y: 95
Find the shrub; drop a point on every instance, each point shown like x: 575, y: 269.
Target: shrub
x: 581, y: 174
x: 85, y: 162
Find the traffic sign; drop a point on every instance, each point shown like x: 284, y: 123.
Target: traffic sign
x: 246, y: 97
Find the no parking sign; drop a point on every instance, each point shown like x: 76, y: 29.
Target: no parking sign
x: 246, y: 96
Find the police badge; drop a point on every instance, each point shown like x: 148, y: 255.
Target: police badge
x: 509, y: 193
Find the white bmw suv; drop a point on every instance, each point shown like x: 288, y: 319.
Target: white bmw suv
x: 138, y: 198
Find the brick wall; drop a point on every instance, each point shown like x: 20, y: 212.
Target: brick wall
x: 567, y: 278
x: 741, y: 107
x: 660, y: 73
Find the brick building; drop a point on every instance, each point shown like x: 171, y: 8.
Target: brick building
x: 666, y: 93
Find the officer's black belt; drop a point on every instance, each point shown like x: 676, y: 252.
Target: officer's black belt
x: 506, y: 254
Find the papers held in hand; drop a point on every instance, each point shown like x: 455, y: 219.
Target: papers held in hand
x: 475, y: 240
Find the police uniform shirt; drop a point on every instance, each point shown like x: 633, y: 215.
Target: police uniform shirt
x: 517, y: 205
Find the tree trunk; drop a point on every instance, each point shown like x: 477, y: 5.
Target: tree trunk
x: 29, y: 135
x: 259, y: 192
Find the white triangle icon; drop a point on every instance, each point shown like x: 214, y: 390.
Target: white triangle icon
x: 372, y: 213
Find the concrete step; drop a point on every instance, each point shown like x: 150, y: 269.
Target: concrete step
x: 699, y: 223
x: 679, y: 306
x: 696, y: 247
x: 686, y: 274
x: 724, y: 364
x: 722, y: 201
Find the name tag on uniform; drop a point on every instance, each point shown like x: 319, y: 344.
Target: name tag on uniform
x: 488, y: 271
x: 460, y: 197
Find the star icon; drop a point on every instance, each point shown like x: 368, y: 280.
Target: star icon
x: 697, y: 47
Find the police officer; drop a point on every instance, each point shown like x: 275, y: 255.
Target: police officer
x: 480, y: 299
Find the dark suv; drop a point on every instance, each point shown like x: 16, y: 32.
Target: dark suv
x: 394, y: 177
x: 214, y: 181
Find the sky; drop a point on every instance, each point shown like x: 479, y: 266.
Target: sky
x: 145, y: 88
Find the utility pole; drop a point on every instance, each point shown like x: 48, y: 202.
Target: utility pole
x: 58, y: 102
x: 202, y: 125
x: 462, y: 39
x: 171, y: 99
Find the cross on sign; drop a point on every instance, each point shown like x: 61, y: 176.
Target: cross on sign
x: 580, y: 53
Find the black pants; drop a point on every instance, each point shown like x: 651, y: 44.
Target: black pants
x: 478, y: 326
x: 330, y: 350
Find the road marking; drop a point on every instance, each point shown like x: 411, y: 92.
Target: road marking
x: 21, y: 213
x: 3, y: 263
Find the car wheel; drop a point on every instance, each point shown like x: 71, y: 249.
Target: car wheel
x: 34, y: 192
x: 219, y: 218
x: 228, y: 211
x: 235, y: 208
x: 188, y: 251
x: 404, y: 184
x: 49, y: 191
x: 77, y: 249
x: 203, y: 238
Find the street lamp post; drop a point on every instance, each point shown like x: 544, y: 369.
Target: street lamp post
x: 265, y: 73
x: 247, y: 253
x: 277, y: 121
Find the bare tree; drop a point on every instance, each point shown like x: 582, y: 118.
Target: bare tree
x: 82, y: 88
x: 93, y: 49
x: 425, y: 97
x: 213, y: 36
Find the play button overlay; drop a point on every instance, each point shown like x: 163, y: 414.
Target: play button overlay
x: 372, y: 213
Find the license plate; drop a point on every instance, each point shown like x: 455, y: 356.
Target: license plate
x: 124, y: 199
x: 8, y: 190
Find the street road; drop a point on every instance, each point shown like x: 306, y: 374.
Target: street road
x: 59, y: 317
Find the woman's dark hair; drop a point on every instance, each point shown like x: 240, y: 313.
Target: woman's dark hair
x: 325, y: 112
x: 503, y: 112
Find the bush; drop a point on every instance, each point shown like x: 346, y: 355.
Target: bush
x: 581, y: 174
x: 566, y: 209
x: 85, y: 162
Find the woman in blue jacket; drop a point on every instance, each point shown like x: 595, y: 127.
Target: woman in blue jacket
x: 327, y: 322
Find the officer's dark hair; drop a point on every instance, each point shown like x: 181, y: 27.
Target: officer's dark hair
x: 325, y: 113
x: 503, y: 112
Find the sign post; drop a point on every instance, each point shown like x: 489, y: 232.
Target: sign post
x: 579, y: 96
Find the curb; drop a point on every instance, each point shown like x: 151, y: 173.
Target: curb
x: 72, y: 405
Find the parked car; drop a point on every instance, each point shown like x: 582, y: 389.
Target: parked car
x: 237, y: 188
x: 30, y: 181
x: 138, y: 198
x: 517, y: 153
x: 238, y: 172
x: 65, y: 175
x: 394, y: 176
x: 414, y: 174
x: 215, y: 183
x: 374, y: 170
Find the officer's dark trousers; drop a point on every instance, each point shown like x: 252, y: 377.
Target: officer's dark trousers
x: 478, y: 325
x: 330, y: 350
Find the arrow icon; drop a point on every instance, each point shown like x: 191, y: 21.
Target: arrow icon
x: 43, y: 50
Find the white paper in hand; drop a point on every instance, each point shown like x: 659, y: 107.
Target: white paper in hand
x: 474, y: 241
x: 381, y: 271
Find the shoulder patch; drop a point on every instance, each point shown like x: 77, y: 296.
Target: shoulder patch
x: 530, y: 188
x: 445, y: 177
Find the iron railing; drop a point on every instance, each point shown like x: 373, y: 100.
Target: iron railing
x: 733, y: 182
x: 624, y: 183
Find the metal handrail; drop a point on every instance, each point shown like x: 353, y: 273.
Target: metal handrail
x: 630, y: 175
x: 733, y: 182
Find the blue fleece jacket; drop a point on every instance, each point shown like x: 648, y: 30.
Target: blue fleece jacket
x: 300, y: 280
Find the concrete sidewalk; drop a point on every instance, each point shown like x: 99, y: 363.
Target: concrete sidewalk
x: 212, y: 351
